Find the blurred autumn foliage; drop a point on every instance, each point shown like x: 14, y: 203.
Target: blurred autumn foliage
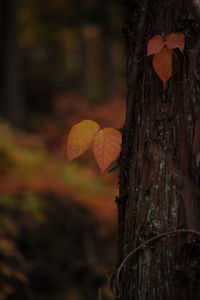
x: 60, y: 64
x: 53, y: 215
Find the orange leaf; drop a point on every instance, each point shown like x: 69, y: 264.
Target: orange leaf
x: 175, y: 40
x: 162, y: 64
x: 155, y: 44
x: 80, y: 138
x: 107, y: 147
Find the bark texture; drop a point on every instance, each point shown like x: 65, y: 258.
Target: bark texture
x: 160, y: 161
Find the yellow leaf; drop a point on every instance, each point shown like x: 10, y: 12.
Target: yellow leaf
x: 107, y: 147
x: 80, y: 138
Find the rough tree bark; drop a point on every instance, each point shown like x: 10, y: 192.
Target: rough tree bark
x: 160, y: 160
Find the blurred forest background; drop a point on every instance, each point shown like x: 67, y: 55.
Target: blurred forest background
x: 61, y: 61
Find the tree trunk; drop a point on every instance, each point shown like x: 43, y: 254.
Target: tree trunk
x: 83, y: 62
x: 160, y: 160
x: 108, y: 43
x: 11, y: 73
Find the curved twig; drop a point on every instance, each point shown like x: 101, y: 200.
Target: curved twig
x: 146, y: 243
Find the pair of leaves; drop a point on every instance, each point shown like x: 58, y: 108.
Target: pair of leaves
x: 106, y: 142
x: 163, y: 47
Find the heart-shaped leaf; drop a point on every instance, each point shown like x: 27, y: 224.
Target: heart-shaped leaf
x: 162, y: 64
x: 80, y: 138
x: 107, y: 147
x: 155, y: 44
x: 175, y: 40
